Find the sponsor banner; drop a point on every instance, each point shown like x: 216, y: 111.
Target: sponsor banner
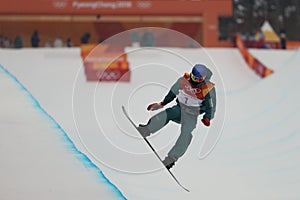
x: 252, y: 62
x: 102, y: 51
x: 111, y: 7
x: 105, y: 63
x: 293, y: 45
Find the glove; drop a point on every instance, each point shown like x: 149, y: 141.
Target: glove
x: 155, y: 106
x: 206, y: 121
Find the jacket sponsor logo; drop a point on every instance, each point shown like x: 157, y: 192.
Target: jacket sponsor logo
x: 192, y: 90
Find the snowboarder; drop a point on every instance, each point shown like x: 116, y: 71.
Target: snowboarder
x: 195, y: 95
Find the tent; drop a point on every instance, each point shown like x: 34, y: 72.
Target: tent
x: 271, y: 39
x: 269, y: 33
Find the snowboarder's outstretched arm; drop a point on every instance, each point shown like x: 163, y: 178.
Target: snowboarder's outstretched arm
x: 172, y: 93
x: 168, y: 98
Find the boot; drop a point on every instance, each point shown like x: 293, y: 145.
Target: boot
x: 169, y: 162
x: 144, y: 131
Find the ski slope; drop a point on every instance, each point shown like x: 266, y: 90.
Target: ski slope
x: 82, y: 146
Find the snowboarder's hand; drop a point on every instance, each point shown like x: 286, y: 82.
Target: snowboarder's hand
x: 155, y: 106
x: 206, y: 121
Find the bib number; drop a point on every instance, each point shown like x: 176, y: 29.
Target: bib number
x: 188, y: 100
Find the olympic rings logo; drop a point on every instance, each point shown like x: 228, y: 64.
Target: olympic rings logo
x: 188, y: 88
x: 108, y: 75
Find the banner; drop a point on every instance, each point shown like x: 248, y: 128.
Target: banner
x: 105, y: 63
x: 293, y: 45
x: 252, y: 62
x: 111, y: 7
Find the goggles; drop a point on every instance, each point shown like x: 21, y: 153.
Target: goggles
x: 196, y: 79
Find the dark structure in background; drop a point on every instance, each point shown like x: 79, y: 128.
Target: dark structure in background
x: 249, y: 15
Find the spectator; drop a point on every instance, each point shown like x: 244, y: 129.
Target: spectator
x: 148, y: 39
x: 6, y: 42
x: 69, y: 42
x: 135, y: 39
x: 85, y: 38
x: 48, y: 43
x: 283, y: 39
x: 261, y: 36
x: 58, y: 42
x: 18, y: 43
x: 35, y: 39
x: 192, y: 44
x: 1, y: 41
x: 243, y: 36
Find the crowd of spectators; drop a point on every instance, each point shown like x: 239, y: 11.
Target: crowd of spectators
x: 257, y: 40
x: 252, y: 40
x: 35, y: 41
x: 6, y: 42
x: 146, y: 39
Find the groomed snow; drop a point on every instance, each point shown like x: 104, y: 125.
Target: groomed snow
x: 251, y: 151
x: 38, y: 161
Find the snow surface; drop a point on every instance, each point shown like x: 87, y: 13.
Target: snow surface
x: 60, y: 149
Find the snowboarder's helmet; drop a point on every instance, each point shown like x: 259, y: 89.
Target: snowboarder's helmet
x: 198, y: 73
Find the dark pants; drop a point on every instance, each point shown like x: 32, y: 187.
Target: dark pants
x: 188, y: 123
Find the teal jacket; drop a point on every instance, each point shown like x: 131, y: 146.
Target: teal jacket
x: 208, y: 105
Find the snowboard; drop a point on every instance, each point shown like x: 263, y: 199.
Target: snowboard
x: 151, y: 147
